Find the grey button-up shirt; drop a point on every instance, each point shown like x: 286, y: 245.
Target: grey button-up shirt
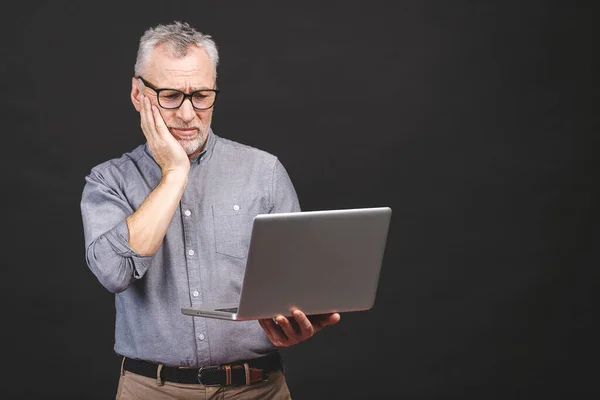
x: 202, y: 257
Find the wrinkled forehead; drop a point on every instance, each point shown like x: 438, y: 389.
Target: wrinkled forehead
x: 193, y: 70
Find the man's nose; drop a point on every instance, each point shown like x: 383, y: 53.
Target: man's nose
x: 186, y: 111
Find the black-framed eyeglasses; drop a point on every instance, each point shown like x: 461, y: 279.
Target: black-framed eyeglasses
x: 171, y: 99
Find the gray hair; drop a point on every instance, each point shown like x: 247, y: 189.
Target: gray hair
x: 177, y: 36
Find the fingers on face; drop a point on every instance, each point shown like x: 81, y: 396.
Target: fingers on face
x: 151, y: 119
x: 159, y: 123
x: 147, y: 120
x: 143, y: 113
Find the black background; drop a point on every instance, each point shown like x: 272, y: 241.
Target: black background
x: 475, y: 121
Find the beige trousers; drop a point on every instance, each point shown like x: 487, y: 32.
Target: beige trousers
x: 138, y: 387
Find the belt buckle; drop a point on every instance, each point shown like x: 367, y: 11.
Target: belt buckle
x: 200, y: 374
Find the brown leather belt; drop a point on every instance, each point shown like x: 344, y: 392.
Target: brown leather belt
x: 245, y: 372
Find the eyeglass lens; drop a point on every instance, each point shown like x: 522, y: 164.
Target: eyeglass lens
x: 173, y: 98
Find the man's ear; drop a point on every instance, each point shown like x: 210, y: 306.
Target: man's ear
x: 135, y: 94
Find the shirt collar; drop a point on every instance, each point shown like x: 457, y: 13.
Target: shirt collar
x: 210, y: 144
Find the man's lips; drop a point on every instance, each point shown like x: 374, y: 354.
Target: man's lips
x: 184, y: 132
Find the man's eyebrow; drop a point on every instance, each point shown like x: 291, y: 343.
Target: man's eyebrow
x: 195, y: 89
x: 191, y: 88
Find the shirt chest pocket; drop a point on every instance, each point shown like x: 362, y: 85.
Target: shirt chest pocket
x: 233, y: 225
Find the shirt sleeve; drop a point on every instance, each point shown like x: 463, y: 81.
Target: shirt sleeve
x: 107, y: 250
x: 283, y: 194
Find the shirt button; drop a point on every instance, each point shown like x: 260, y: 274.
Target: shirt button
x: 191, y: 252
x: 187, y: 213
x: 236, y: 207
x: 195, y: 293
x: 201, y: 336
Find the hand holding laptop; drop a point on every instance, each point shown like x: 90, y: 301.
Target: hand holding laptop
x: 284, y: 332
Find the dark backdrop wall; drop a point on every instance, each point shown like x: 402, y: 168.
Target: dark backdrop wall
x: 475, y: 121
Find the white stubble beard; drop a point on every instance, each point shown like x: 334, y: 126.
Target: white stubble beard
x: 190, y: 146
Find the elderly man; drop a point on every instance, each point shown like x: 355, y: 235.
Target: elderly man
x: 168, y: 224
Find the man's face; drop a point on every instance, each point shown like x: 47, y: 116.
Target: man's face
x: 193, y: 72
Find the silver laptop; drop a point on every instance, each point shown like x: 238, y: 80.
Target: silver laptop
x: 317, y: 261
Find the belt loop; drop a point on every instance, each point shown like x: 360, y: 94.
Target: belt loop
x: 228, y: 374
x: 159, y: 380
x: 247, y: 370
x: 122, y: 364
